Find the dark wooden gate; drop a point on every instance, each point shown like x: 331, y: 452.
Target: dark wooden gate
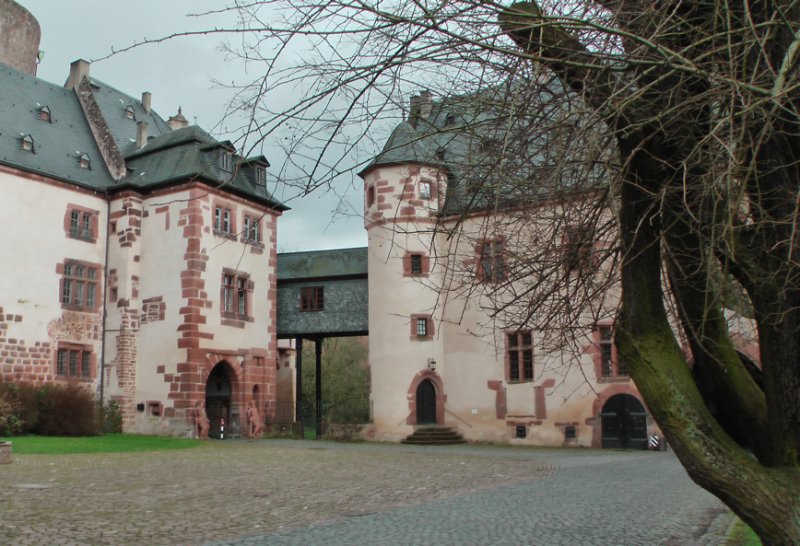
x: 624, y: 422
x: 426, y: 403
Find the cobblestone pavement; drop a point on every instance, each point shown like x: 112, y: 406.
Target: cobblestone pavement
x: 308, y: 493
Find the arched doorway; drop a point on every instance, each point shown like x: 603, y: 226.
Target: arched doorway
x: 426, y: 403
x: 624, y: 423
x: 218, y: 397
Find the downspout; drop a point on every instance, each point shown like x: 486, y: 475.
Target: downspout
x: 105, y: 317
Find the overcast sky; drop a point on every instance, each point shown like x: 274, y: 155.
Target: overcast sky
x: 180, y: 73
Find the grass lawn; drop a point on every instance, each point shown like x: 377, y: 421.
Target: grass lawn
x: 56, y: 445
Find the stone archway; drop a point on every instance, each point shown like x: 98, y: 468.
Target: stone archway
x: 623, y: 422
x: 426, y: 387
x: 219, y: 397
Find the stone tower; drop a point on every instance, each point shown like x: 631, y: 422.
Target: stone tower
x: 19, y: 37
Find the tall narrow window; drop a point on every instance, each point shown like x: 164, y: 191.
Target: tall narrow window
x: 223, y: 220
x: 226, y: 160
x: 251, y: 232
x: 422, y: 327
x: 606, y: 351
x: 261, y: 176
x: 424, y: 189
x: 235, y: 297
x: 227, y: 293
x: 492, y: 262
x: 312, y: 298
x: 519, y: 355
x: 370, y: 196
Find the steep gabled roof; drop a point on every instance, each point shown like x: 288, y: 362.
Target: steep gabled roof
x: 192, y: 154
x: 57, y: 144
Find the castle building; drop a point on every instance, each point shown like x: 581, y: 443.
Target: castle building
x: 456, y: 246
x: 142, y: 251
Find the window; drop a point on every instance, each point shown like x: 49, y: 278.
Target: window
x: 222, y: 220
x: 129, y: 112
x: 74, y: 362
x: 44, y: 114
x: 26, y: 143
x: 312, y: 298
x: 261, y: 176
x: 449, y: 120
x: 370, y: 196
x: 607, y: 365
x: 79, y: 285
x: 226, y: 160
x: 421, y: 327
x: 236, y: 289
x: 492, y: 267
x: 578, y: 244
x: 519, y: 355
x: 251, y: 230
x: 84, y: 161
x: 424, y: 189
x: 521, y: 431
x: 80, y: 224
x: 416, y: 264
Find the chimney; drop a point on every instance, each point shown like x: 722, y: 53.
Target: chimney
x: 146, y: 98
x: 77, y: 71
x: 425, y: 104
x: 141, y: 134
x: 177, y: 121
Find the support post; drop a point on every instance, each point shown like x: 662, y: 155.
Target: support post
x: 318, y: 354
x: 298, y: 383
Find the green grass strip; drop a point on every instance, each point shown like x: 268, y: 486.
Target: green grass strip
x: 108, y: 443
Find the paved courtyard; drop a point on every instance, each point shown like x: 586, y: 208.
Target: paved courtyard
x: 280, y: 492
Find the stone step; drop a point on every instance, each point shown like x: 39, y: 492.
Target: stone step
x: 434, y: 435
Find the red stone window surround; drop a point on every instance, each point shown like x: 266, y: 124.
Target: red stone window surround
x: 312, y: 298
x: 224, y: 220
x: 491, y: 258
x: 81, y: 223
x: 251, y: 229
x: 422, y: 328
x: 79, y: 287
x: 236, y: 298
x: 607, y: 365
x: 416, y: 264
x: 519, y: 356
x: 75, y: 362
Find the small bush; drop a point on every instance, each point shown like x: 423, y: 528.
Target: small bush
x: 112, y: 418
x: 10, y: 422
x: 66, y: 411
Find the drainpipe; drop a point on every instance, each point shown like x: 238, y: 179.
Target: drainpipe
x: 105, y: 317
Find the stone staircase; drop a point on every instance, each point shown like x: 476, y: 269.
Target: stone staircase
x: 434, y: 435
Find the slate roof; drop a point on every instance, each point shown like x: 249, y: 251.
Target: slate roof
x: 192, y: 154
x: 343, y: 262
x: 113, y: 104
x: 58, y: 144
x: 168, y: 157
x: 491, y: 156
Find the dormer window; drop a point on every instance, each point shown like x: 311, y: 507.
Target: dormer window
x: 439, y: 155
x: 226, y: 161
x: 85, y: 162
x: 261, y: 176
x: 44, y: 114
x: 27, y: 143
x: 130, y: 113
x: 449, y: 120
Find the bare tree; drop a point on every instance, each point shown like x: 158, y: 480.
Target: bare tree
x: 691, y: 113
